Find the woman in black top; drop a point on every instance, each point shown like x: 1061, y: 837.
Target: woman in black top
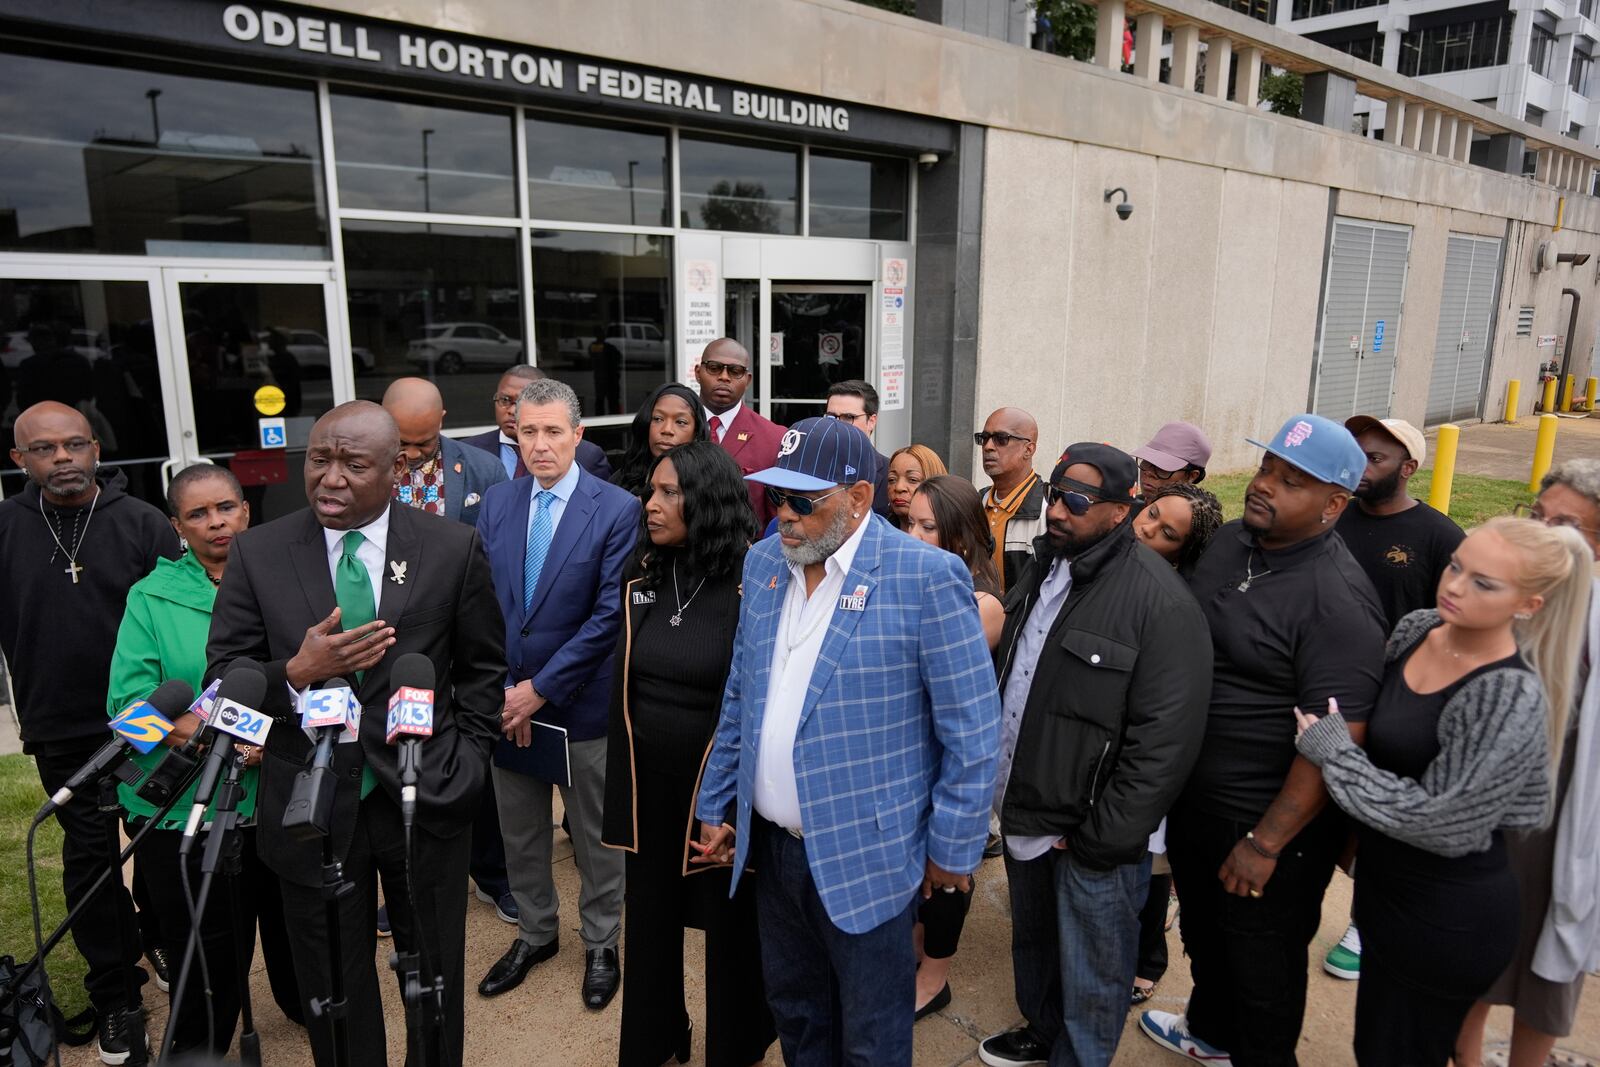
x: 680, y: 605
x: 669, y: 417
x: 1458, y: 749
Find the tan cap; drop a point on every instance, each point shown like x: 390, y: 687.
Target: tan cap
x: 1408, y: 435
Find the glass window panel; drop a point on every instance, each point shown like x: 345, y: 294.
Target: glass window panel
x: 441, y: 302
x: 592, y: 173
x: 89, y: 345
x: 857, y: 197
x: 736, y: 185
x: 398, y: 155
x: 133, y: 162
x: 602, y: 311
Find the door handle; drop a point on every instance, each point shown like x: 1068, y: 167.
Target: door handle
x: 174, y: 465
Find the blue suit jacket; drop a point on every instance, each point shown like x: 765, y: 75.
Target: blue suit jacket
x: 566, y: 640
x: 899, y: 735
x: 468, y: 474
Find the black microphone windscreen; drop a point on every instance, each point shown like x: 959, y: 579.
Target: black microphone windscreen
x: 335, y: 683
x: 172, y: 698
x: 413, y: 670
x: 244, y: 683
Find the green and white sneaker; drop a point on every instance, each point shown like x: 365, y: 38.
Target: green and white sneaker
x: 1344, y: 959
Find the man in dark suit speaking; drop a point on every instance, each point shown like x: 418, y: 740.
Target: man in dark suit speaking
x: 341, y: 590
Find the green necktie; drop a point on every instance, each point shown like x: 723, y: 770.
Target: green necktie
x: 353, y: 590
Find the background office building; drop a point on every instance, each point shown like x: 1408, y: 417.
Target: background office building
x: 201, y: 198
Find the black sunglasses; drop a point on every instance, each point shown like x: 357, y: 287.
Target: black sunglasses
x: 1075, y: 501
x: 800, y: 505
x: 1001, y: 438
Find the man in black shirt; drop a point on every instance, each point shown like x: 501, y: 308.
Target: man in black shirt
x: 71, y: 545
x: 1293, y: 621
x: 1402, y: 543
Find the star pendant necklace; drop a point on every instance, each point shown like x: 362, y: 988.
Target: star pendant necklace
x: 683, y: 605
x: 72, y: 566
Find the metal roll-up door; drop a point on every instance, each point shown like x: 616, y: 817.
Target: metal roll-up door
x: 1362, y: 297
x: 1466, y: 315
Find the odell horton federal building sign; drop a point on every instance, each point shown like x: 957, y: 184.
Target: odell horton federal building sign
x: 235, y: 195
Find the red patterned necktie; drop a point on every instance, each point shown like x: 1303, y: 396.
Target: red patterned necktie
x: 716, y: 429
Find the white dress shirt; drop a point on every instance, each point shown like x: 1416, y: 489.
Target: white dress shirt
x: 1025, y: 662
x: 801, y: 629
x: 725, y: 420
x: 372, y: 553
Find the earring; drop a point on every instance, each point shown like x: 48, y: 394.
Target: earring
x: 1324, y: 522
x: 855, y: 514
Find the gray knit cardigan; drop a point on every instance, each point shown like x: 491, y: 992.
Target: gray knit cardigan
x: 1492, y: 770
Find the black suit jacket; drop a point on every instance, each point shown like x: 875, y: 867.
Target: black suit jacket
x: 277, y: 586
x: 590, y: 456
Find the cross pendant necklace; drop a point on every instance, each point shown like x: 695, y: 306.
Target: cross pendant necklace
x: 683, y: 605
x: 73, y: 567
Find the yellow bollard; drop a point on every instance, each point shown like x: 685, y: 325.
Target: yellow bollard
x: 1544, y: 451
x: 1566, y: 393
x: 1588, y: 393
x: 1547, y: 402
x: 1513, y: 394
x: 1444, y: 467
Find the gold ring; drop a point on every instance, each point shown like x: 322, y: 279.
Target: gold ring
x: 1255, y: 892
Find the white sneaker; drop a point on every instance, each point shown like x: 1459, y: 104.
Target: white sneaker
x: 1171, y: 1031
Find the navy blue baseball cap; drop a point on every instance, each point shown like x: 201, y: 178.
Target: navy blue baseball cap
x: 818, y: 454
x: 1320, y: 447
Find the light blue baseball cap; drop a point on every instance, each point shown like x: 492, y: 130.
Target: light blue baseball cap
x: 1320, y: 447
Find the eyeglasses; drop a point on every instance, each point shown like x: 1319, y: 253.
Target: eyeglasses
x: 1076, y: 502
x: 501, y: 400
x: 849, y: 416
x: 800, y: 505
x: 1000, y: 439
x: 716, y: 370
x: 77, y: 446
x: 1533, y: 511
x: 1146, y: 467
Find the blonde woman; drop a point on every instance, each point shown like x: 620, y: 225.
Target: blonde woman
x: 909, y: 467
x: 1459, y: 749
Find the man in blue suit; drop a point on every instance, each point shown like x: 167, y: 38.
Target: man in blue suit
x: 501, y: 441
x: 557, y: 539
x: 856, y: 753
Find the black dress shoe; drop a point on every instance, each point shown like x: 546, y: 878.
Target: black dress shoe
x: 509, y: 970
x: 601, y: 976
x: 940, y: 1001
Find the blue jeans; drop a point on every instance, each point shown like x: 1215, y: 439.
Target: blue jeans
x: 1074, y: 945
x: 836, y: 998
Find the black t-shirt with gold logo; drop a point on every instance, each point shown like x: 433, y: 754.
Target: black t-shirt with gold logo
x: 1404, y: 554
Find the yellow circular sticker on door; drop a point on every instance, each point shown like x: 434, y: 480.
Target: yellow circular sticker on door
x: 269, y: 400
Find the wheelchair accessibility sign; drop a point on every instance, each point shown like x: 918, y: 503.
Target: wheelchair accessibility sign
x: 272, y: 433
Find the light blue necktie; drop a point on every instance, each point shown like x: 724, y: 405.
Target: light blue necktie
x: 539, y: 531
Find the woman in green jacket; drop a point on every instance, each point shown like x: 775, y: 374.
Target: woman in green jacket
x: 163, y: 637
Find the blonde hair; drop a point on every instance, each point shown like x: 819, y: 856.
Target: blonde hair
x: 932, y: 466
x: 1556, y: 564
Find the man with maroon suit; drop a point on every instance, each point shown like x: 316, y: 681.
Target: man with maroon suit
x: 724, y: 374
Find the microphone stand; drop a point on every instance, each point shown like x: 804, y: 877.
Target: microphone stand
x: 421, y: 988
x: 224, y: 848
x: 110, y: 809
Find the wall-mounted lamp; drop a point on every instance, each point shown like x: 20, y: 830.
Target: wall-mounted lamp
x: 927, y: 159
x: 1124, y: 209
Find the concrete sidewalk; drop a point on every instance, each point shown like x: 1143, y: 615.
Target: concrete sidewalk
x: 1505, y: 450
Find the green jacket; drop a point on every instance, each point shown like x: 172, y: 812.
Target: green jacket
x: 163, y: 636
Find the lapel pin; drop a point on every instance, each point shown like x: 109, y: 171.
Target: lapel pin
x: 397, y: 571
x: 744, y: 437
x: 773, y: 584
x: 458, y: 468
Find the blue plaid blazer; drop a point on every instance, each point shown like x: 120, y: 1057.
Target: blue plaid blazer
x: 899, y: 734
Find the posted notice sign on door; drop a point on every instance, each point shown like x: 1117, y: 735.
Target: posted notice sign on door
x: 699, y: 308
x: 891, y: 337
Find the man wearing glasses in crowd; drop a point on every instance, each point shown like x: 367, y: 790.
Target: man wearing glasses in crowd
x: 502, y: 442
x: 1178, y: 453
x: 723, y: 374
x: 1014, y: 501
x: 856, y: 402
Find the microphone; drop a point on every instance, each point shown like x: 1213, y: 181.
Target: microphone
x: 179, y: 764
x: 328, y: 712
x: 234, y: 718
x: 410, y: 720
x: 139, y: 727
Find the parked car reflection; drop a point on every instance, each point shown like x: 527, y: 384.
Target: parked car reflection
x: 447, y: 347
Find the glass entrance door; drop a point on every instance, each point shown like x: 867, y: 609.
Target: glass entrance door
x: 234, y: 332
x: 818, y: 337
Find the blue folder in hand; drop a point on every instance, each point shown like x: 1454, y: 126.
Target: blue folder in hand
x: 545, y: 758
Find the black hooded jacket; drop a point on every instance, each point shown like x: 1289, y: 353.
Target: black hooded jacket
x: 1116, y: 710
x: 58, y: 636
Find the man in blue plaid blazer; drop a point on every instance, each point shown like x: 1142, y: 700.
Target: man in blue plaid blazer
x: 856, y: 753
